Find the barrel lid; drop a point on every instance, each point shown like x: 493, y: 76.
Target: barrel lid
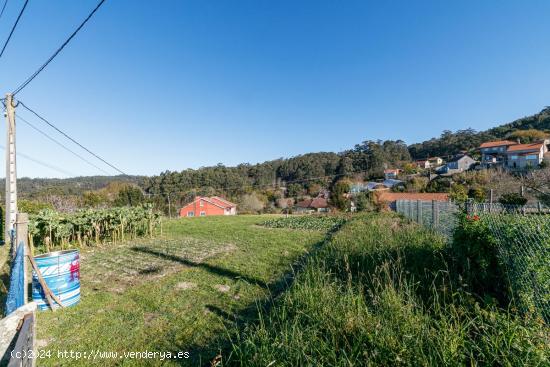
x: 56, y: 254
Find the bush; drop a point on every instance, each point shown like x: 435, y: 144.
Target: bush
x: 474, y: 256
x: 512, y: 199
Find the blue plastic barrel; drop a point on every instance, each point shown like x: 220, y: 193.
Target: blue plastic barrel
x: 61, y: 271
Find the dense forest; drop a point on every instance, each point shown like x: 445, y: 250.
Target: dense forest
x: 254, y: 185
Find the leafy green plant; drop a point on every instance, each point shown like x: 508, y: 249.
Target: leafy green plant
x: 50, y: 229
x: 311, y: 222
x: 474, y: 256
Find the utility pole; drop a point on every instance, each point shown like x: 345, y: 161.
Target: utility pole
x: 169, y: 207
x: 11, y: 173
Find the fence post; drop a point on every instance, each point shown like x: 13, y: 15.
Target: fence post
x: 409, y: 203
x: 419, y: 212
x: 21, y: 236
x: 539, y: 207
x: 435, y: 214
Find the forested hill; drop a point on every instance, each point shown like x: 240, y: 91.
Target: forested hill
x: 526, y: 128
x: 304, y: 172
x: 39, y: 187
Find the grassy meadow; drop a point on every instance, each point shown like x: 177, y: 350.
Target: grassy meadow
x: 365, y: 290
x: 175, y: 293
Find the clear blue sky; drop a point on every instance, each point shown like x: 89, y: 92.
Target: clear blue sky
x: 164, y: 85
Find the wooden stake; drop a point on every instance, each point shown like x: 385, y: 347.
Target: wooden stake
x: 47, y: 291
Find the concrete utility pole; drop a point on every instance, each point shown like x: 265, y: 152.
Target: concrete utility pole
x: 11, y: 172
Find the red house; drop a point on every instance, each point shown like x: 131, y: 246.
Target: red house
x: 204, y: 206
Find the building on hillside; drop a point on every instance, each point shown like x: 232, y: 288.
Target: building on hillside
x: 423, y: 164
x: 318, y: 204
x: 429, y: 163
x: 459, y: 163
x: 390, y: 198
x: 358, y: 187
x: 391, y: 173
x: 525, y: 156
x: 387, y: 184
x: 493, y: 153
x: 435, y: 162
x: 203, y: 206
x: 390, y: 183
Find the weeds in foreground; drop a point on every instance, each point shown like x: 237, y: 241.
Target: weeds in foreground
x: 380, y: 293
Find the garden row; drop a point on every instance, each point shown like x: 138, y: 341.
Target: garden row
x: 308, y: 222
x: 49, y: 229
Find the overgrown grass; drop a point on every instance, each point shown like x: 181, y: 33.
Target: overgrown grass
x: 309, y: 222
x: 380, y: 293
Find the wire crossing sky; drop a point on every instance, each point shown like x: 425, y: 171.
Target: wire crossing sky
x: 171, y: 85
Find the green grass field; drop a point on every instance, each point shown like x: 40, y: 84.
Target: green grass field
x: 376, y: 290
x: 381, y: 292
x: 176, y: 293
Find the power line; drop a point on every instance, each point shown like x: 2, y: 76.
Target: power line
x: 14, y: 25
x: 47, y: 165
x: 61, y: 144
x: 35, y: 74
x: 71, y: 139
x: 3, y: 8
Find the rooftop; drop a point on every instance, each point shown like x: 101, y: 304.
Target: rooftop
x: 425, y: 196
x: 525, y: 147
x: 498, y: 143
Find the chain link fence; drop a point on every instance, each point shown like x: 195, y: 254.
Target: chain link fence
x: 438, y: 215
x: 521, y: 235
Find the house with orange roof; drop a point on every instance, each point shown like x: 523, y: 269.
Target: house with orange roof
x: 493, y: 153
x: 524, y: 156
x: 203, y: 206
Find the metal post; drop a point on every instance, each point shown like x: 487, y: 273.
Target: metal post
x: 409, y: 203
x: 21, y: 237
x: 419, y: 211
x: 11, y: 173
x: 435, y: 214
x: 491, y: 198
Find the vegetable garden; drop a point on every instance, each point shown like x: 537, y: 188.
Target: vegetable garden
x: 50, y: 230
x: 312, y: 222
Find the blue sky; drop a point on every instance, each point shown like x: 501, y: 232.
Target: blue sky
x: 152, y: 86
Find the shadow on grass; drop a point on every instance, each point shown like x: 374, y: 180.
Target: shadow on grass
x: 220, y: 345
x: 209, y: 268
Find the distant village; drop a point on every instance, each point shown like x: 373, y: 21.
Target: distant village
x: 507, y: 155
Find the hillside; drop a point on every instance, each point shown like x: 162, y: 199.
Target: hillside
x: 38, y: 187
x: 301, y: 174
x: 449, y: 143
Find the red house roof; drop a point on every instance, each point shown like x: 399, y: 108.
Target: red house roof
x: 316, y: 203
x: 215, y: 200
x: 499, y: 143
x: 525, y: 147
x: 393, y: 196
x: 222, y: 202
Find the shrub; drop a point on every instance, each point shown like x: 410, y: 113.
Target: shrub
x: 512, y: 199
x: 474, y: 256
